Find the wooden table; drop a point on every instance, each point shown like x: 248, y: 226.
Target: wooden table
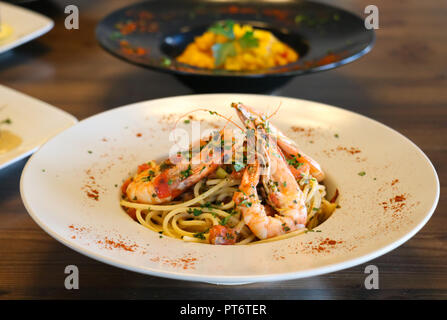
x: 402, y: 83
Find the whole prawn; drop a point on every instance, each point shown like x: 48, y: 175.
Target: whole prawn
x: 161, y: 184
x: 282, y: 191
x: 299, y: 162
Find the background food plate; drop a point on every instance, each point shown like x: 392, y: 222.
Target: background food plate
x: 153, y: 33
x: 26, y: 25
x: 32, y: 120
x: 383, y: 200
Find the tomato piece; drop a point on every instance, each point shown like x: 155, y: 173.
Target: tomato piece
x: 143, y: 167
x: 222, y: 235
x: 125, y: 184
x: 162, y: 186
x: 132, y: 212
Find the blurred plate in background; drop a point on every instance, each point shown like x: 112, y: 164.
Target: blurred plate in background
x: 19, y: 25
x: 29, y: 123
x: 324, y: 36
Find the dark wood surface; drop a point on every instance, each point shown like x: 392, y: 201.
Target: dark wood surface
x: 402, y: 83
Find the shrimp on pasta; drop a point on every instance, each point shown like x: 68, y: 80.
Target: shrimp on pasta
x: 204, y: 198
x: 298, y: 161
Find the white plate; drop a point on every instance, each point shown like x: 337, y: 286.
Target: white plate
x: 367, y: 225
x: 26, y: 25
x: 33, y: 121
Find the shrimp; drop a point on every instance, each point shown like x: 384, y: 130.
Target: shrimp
x: 249, y: 205
x: 161, y: 184
x: 299, y: 162
x: 280, y: 186
x: 256, y: 216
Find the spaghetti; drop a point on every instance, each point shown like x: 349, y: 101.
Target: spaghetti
x: 211, y: 205
x: 276, y: 194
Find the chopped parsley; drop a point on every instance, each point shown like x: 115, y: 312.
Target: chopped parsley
x: 196, y: 212
x: 186, y: 173
x: 6, y: 121
x: 294, y: 162
x: 229, y: 236
x: 165, y: 165
x: 200, y: 235
x: 224, y: 221
x: 149, y: 176
x: 206, y: 205
x: 361, y: 173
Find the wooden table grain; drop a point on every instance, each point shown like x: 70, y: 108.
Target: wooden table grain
x: 402, y: 83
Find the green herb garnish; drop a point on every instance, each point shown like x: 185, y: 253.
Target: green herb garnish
x: 294, y: 162
x: 149, y: 176
x: 200, y: 235
x: 224, y: 221
x: 196, y: 212
x: 186, y: 173
x: 224, y: 28
x: 221, y: 51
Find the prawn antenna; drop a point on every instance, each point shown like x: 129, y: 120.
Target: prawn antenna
x: 212, y: 113
x: 277, y: 109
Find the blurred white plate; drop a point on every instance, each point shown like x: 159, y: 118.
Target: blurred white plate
x: 32, y: 120
x: 388, y: 191
x: 26, y: 25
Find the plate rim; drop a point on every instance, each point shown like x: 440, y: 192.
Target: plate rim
x: 41, y: 104
x: 240, y: 279
x: 30, y: 36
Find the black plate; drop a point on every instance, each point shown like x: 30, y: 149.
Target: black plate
x: 152, y: 34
